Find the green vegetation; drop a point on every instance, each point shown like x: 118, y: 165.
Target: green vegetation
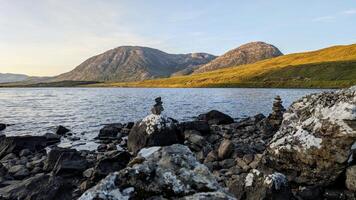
x: 332, y: 67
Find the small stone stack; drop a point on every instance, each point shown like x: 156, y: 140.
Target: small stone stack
x: 276, y: 117
x: 157, y: 108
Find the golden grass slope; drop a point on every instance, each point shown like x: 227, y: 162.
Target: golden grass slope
x: 336, y: 60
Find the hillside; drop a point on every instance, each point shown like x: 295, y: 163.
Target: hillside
x: 8, y: 78
x: 246, y: 54
x: 330, y: 67
x: 133, y: 63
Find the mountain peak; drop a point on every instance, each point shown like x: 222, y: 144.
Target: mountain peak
x: 245, y: 54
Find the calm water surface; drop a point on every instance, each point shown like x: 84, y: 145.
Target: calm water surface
x: 37, y: 111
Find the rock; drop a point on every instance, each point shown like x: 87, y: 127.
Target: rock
x: 52, y: 138
x: 102, y: 148
x: 65, y: 162
x: 257, y: 185
x: 109, y: 164
x: 226, y: 148
x: 111, y: 131
x: 216, y: 117
x: 276, y: 117
x: 211, y: 157
x: 314, y: 141
x: 19, y: 171
x: 24, y: 152
x: 157, y: 108
x: 40, y: 186
x: 2, y: 127
x: 15, y: 144
x: 61, y: 130
x: 194, y: 138
x: 201, y: 126
x: 153, y: 130
x: 167, y: 172
x: 351, y: 178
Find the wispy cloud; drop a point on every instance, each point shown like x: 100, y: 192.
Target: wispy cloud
x: 349, y: 12
x: 324, y: 19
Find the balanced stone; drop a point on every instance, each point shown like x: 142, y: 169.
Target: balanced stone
x: 157, y: 108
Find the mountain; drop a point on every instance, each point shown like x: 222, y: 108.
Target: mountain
x: 133, y: 63
x: 8, y: 78
x: 330, y: 67
x: 245, y: 54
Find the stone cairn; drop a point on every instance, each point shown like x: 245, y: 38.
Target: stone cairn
x: 276, y: 117
x: 157, y: 108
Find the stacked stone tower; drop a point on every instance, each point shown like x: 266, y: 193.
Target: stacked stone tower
x: 276, y: 117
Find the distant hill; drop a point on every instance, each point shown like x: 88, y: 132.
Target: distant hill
x: 8, y: 78
x: 248, y: 53
x: 133, y: 63
x: 330, y: 67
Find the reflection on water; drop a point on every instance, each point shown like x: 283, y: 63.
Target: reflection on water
x: 84, y: 110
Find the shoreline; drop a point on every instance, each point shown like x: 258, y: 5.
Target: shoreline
x: 252, y: 158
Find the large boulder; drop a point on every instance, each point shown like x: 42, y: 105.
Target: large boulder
x: 65, y: 162
x: 170, y: 172
x: 14, y: 144
x: 315, y: 139
x: 153, y: 130
x: 216, y: 117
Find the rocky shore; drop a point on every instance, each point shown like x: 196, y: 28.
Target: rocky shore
x: 306, y: 151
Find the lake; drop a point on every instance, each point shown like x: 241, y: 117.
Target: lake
x: 37, y: 111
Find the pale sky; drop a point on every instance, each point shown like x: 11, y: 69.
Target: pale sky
x: 49, y: 37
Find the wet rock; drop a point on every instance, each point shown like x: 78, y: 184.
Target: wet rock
x: 19, y: 171
x: 225, y: 150
x: 61, y: 130
x: 314, y: 141
x: 153, y: 130
x: 216, y: 117
x: 2, y: 127
x: 15, y: 144
x: 351, y: 178
x: 111, y: 131
x: 167, y: 172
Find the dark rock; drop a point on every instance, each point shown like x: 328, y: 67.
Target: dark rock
x: 310, y: 193
x: 157, y: 108
x: 216, y: 117
x: 40, y: 186
x: 154, y: 130
x: 65, y: 162
x: 201, y: 126
x: 110, y: 131
x: 61, y: 130
x: 24, y: 152
x: 102, y: 148
x: 129, y: 125
x: 19, y: 171
x: 112, y: 163
x: 2, y: 127
x: 15, y: 144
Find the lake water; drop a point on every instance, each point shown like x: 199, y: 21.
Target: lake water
x: 37, y: 111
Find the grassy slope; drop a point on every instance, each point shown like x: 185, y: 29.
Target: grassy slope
x: 330, y: 67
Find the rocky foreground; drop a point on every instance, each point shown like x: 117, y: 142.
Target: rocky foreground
x: 304, y: 152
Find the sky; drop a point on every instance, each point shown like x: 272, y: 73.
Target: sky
x: 49, y: 37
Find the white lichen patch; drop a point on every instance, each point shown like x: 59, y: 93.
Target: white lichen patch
x: 172, y: 180
x: 146, y: 152
x: 155, y: 122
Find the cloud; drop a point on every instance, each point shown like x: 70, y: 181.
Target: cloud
x: 349, y: 12
x: 324, y: 19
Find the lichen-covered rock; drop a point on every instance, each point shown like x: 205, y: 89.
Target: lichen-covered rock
x: 170, y: 172
x: 258, y: 185
x: 153, y: 130
x: 351, y: 178
x: 314, y: 142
